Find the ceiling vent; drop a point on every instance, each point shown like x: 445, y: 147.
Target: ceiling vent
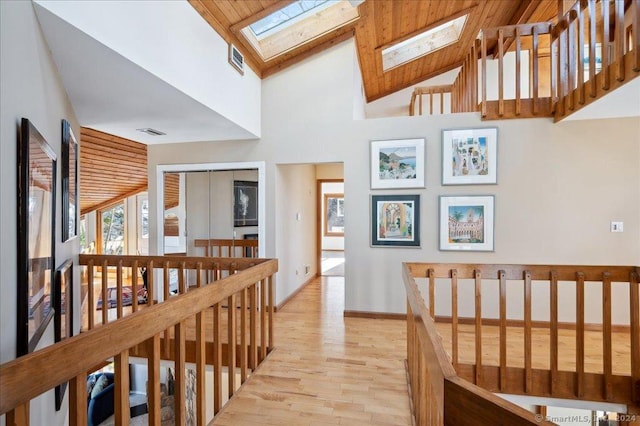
x: 236, y: 58
x: 152, y: 132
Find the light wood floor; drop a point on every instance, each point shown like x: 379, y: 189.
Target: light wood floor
x: 326, y: 369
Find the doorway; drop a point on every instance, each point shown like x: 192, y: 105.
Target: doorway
x: 331, y: 227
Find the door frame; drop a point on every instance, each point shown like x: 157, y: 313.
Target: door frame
x: 319, y: 219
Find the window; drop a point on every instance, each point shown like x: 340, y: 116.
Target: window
x: 296, y: 24
x: 113, y: 230
x: 423, y: 43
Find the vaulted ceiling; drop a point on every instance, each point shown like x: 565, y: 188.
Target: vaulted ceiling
x: 381, y: 24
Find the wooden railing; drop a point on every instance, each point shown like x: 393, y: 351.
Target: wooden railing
x: 249, y: 338
x: 540, y: 70
x: 434, y: 95
x: 228, y: 247
x: 436, y: 377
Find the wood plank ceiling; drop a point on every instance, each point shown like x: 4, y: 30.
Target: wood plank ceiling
x: 382, y: 23
x: 111, y: 169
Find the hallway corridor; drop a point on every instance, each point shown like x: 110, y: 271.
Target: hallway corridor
x: 326, y: 369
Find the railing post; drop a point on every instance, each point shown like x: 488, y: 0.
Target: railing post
x: 78, y: 400
x: 579, y: 335
x: 231, y: 343
x: 454, y: 318
x: 217, y: 359
x: 606, y: 336
x: 121, y: 370
x: 153, y: 383
x: 179, y: 336
x: 503, y: 329
x: 90, y: 297
x: 553, y: 339
x: 478, y: 315
x: 527, y: 332
x: 201, y: 359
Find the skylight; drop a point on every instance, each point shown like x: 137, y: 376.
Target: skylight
x: 287, y: 14
x: 296, y: 24
x: 423, y: 43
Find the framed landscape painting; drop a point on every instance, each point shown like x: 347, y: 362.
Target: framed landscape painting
x: 397, y: 163
x: 467, y: 223
x: 395, y: 220
x: 69, y: 182
x: 469, y: 156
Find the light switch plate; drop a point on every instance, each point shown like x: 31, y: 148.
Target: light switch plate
x: 617, y: 226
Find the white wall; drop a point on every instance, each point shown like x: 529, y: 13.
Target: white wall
x: 172, y: 41
x: 31, y: 88
x: 559, y: 185
x: 295, y: 210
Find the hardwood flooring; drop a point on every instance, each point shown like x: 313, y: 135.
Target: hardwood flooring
x: 326, y: 369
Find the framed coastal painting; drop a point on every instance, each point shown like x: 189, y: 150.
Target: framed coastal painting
x: 398, y: 163
x: 467, y: 223
x: 469, y: 156
x: 69, y: 183
x: 395, y: 220
x: 36, y: 233
x: 245, y: 203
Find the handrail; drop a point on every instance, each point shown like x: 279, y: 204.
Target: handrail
x: 554, y: 381
x: 73, y: 357
x: 436, y: 390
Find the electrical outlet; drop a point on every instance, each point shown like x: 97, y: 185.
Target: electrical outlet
x: 617, y: 226
x: 307, y: 269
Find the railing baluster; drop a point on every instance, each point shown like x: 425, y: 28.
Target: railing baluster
x: 430, y: 102
x: 483, y: 51
x: 606, y: 336
x: 454, y: 318
x: 605, y: 45
x: 243, y: 335
x: 527, y: 332
x: 518, y: 53
x: 121, y: 385
x: 272, y: 302
x: 478, y: 314
x: 92, y: 306
x: 503, y: 329
x: 500, y: 72
x: 105, y: 301
x: 182, y: 287
x: 253, y: 312
x: 420, y: 104
x: 217, y: 359
x: 581, y: 90
x: 432, y: 293
x: 77, y: 400
x: 553, y: 60
x: 571, y: 61
x: 153, y: 387
x: 134, y: 286
x: 166, y: 343
x: 635, y: 30
x: 150, y: 284
x: 592, y: 48
x: 119, y: 302
x: 553, y: 338
x: 201, y: 359
x: 263, y: 319
x: 619, y: 38
x: 441, y: 101
x: 179, y: 336
x: 535, y: 70
x: 579, y: 334
x: 231, y: 343
x: 634, y: 305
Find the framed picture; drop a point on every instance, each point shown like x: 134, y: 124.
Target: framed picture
x: 469, y: 156
x: 69, y: 183
x: 36, y: 233
x: 245, y: 203
x: 333, y: 215
x: 397, y: 163
x: 395, y: 220
x: 63, y: 319
x: 466, y: 223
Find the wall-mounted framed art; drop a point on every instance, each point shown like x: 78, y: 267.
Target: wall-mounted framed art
x: 469, y: 156
x: 467, y: 223
x: 245, y: 203
x: 398, y: 163
x: 333, y: 215
x: 395, y: 220
x: 63, y: 319
x: 69, y: 183
x: 36, y: 236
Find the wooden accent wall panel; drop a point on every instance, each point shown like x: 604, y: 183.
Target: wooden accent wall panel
x: 111, y: 169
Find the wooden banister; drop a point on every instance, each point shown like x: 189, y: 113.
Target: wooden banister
x: 73, y: 357
x: 578, y: 382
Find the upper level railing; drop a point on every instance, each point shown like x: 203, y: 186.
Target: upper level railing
x: 548, y: 70
x: 566, y: 367
x: 248, y: 338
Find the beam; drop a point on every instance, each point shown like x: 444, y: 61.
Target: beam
x: 114, y: 200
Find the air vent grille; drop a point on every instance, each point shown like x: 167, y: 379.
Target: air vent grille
x: 236, y: 58
x: 152, y: 132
